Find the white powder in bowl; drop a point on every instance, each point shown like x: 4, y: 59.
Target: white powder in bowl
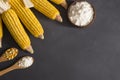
x: 25, y: 62
x: 81, y: 13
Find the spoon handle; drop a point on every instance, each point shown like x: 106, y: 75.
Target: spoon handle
x: 2, y: 59
x: 7, y: 70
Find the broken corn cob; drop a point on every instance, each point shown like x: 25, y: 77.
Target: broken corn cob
x: 1, y: 32
x: 46, y: 8
x: 60, y: 2
x: 28, y: 18
x: 16, y: 29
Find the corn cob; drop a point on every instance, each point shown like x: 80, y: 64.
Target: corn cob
x: 46, y: 8
x: 1, y: 32
x: 16, y: 29
x: 28, y: 18
x: 60, y: 2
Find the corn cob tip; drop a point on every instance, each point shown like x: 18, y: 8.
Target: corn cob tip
x: 41, y: 37
x: 0, y: 44
x: 30, y: 49
x: 64, y: 4
x: 59, y: 18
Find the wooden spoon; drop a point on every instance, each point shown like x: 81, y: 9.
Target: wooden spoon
x: 9, y: 54
x: 23, y: 63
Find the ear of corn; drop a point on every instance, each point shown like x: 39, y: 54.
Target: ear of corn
x: 46, y: 8
x: 27, y: 17
x: 16, y: 29
x: 57, y: 1
x: 1, y: 32
x: 63, y: 3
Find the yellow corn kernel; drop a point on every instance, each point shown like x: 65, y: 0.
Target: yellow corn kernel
x: 46, y: 8
x: 10, y: 53
x: 27, y: 17
x: 1, y: 30
x: 16, y: 29
x: 57, y: 1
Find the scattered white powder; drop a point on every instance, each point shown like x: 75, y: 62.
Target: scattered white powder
x: 25, y: 62
x: 81, y: 14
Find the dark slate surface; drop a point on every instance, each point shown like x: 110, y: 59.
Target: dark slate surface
x: 70, y: 53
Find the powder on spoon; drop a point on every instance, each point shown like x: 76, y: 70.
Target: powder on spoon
x: 81, y: 13
x: 25, y: 62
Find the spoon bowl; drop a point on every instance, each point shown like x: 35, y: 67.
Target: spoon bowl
x: 9, y: 54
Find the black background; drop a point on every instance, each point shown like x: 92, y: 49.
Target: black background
x: 70, y: 53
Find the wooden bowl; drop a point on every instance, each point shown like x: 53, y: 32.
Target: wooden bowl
x: 94, y: 15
